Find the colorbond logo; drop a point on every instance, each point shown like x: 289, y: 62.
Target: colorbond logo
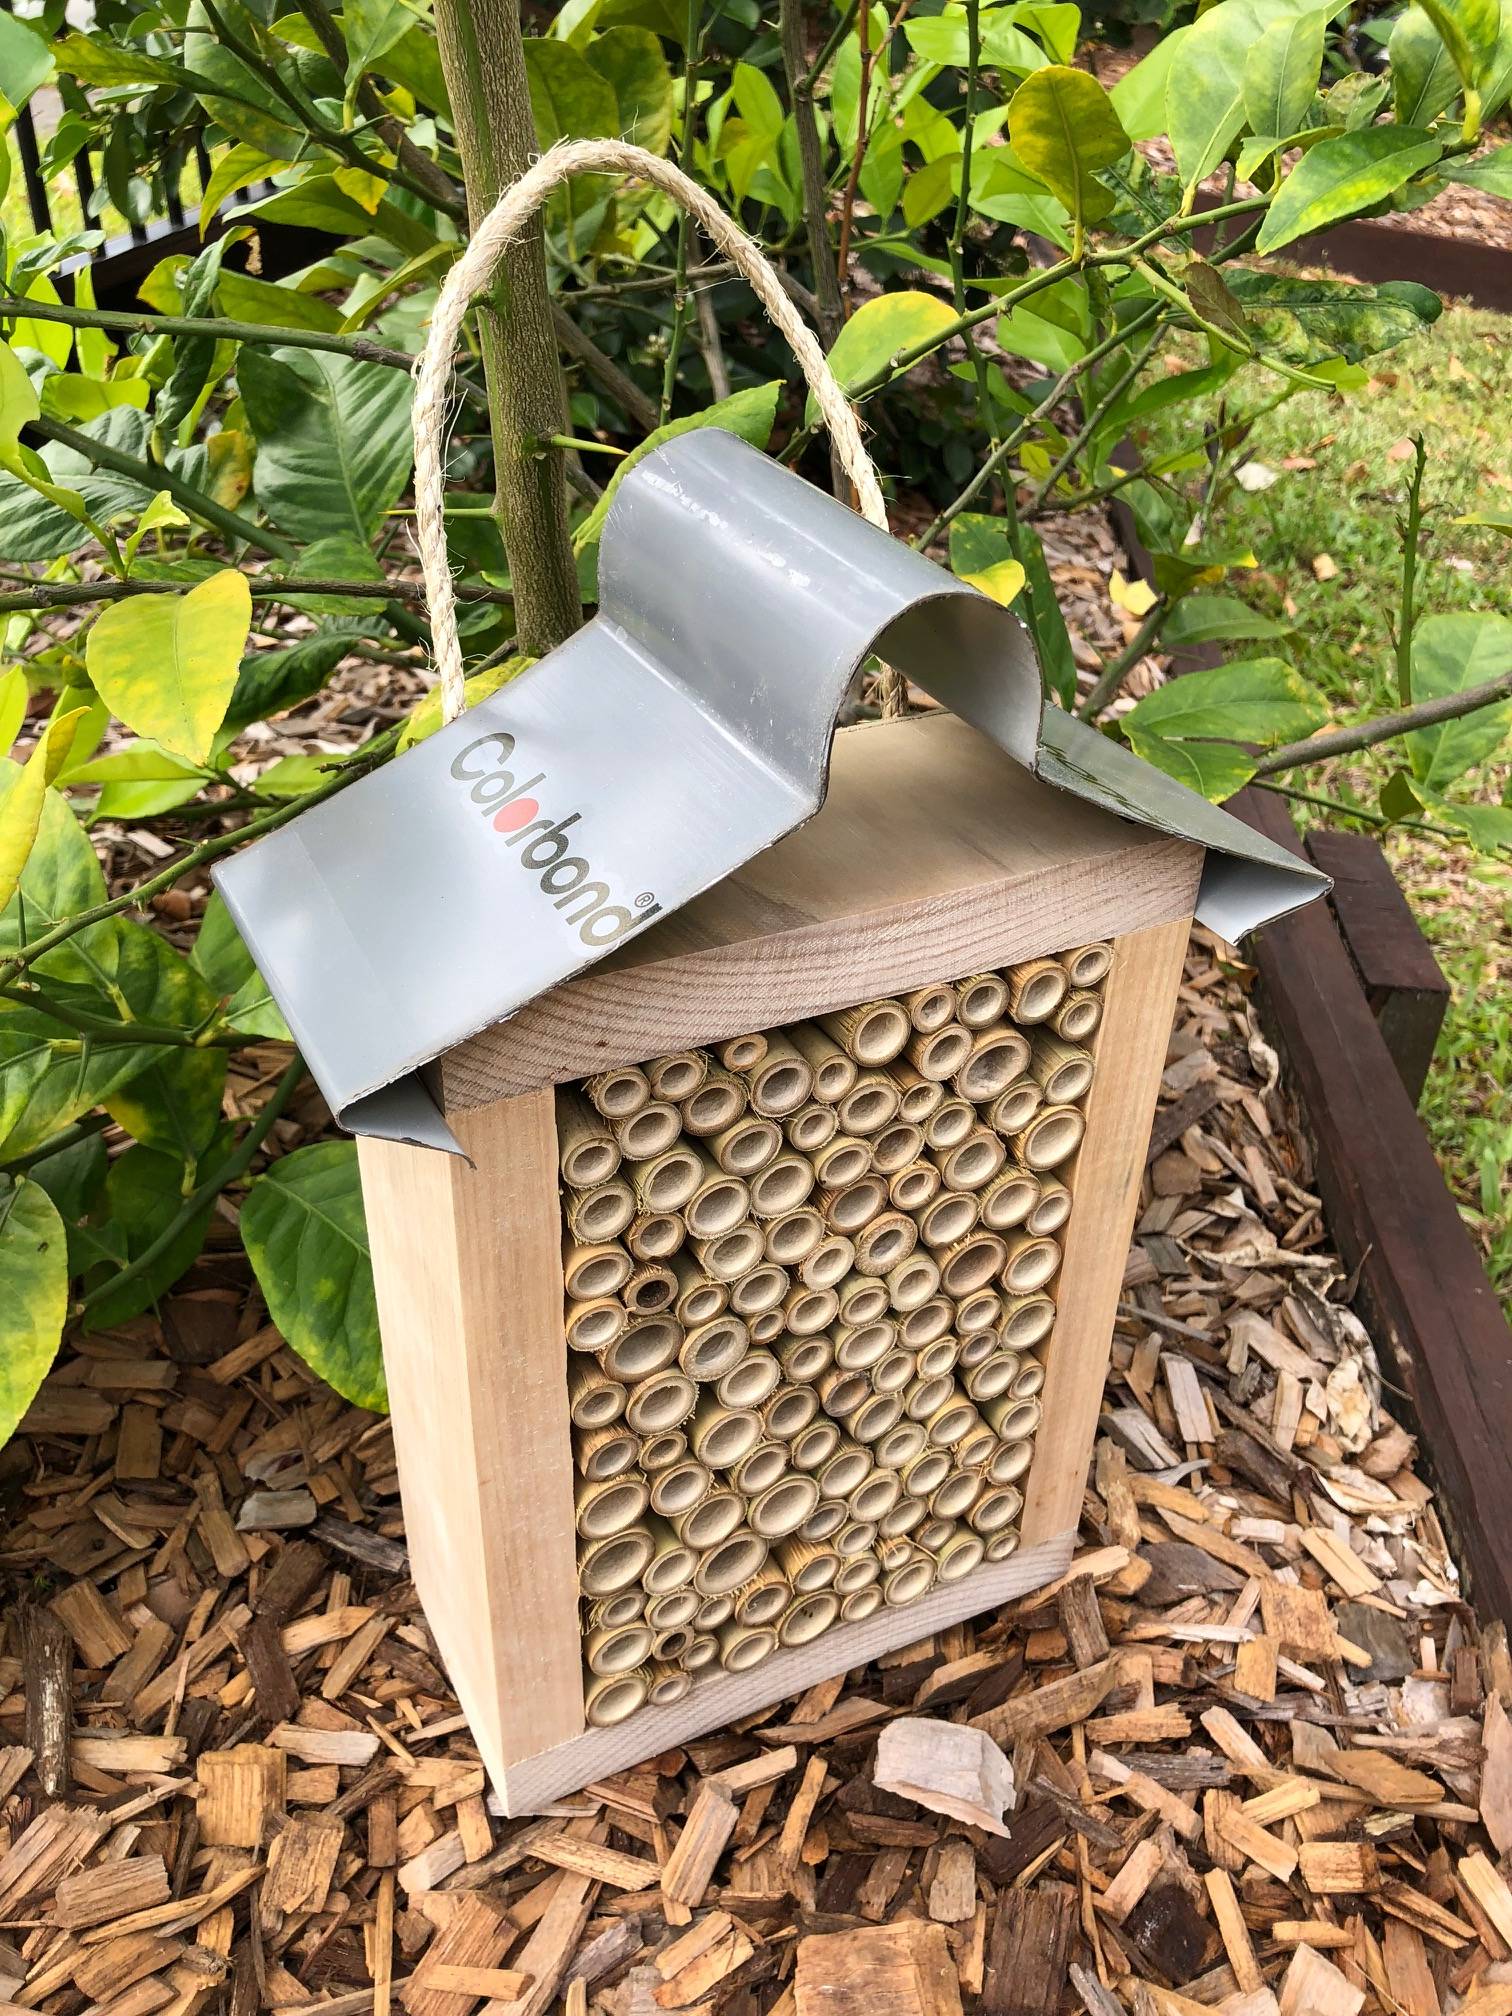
x: 564, y: 878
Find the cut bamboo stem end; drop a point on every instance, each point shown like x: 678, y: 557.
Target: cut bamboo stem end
x: 834, y: 1070
x: 587, y: 1152
x: 619, y: 1093
x: 1088, y: 965
x: 873, y: 1033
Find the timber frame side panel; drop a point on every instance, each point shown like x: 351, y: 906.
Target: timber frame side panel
x: 468, y: 1268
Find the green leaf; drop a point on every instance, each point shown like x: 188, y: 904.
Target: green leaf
x: 33, y: 1296
x: 175, y: 1103
x: 1215, y: 619
x: 25, y: 62
x: 237, y: 168
x: 1488, y: 828
x: 73, y: 398
x: 1214, y: 770
x: 271, y: 681
x: 1257, y: 700
x: 1063, y: 128
x: 1424, y: 81
x: 244, y: 298
x: 49, y: 1076
x: 1040, y: 608
x: 1305, y: 321
x: 1340, y: 177
x: 1281, y: 73
x: 1492, y: 172
x: 1451, y: 654
x: 303, y: 1227
x: 1470, y: 29
x: 426, y: 718
x: 750, y: 414
x: 372, y: 28
x: 144, y: 1193
x: 21, y: 810
x: 632, y: 61
x: 167, y: 664
x: 569, y: 98
x: 93, y: 60
x: 1205, y: 88
x: 62, y: 877
x: 19, y: 404
x: 929, y: 189
x: 221, y: 957
x: 1139, y: 96
x: 333, y: 439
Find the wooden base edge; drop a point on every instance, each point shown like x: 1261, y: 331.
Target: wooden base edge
x: 533, y: 1782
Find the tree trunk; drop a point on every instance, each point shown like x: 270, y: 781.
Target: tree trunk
x: 484, y: 59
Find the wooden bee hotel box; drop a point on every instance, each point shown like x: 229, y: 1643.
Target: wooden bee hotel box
x: 751, y: 1115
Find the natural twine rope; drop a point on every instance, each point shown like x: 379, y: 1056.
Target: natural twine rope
x: 471, y: 276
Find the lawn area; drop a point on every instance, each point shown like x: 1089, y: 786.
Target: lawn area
x: 1325, y: 535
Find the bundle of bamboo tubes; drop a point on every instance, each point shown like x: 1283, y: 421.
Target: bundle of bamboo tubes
x: 810, y: 1277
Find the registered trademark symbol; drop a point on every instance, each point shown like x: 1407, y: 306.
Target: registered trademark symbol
x: 644, y: 900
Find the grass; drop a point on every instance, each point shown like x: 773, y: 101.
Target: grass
x: 1341, y: 469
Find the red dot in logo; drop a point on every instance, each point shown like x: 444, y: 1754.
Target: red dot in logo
x: 514, y: 816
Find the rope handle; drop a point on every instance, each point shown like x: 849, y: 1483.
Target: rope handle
x: 471, y: 276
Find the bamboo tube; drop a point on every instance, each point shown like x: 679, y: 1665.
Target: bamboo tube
x: 1036, y: 989
x: 610, y: 1612
x: 711, y: 1613
x: 729, y: 1254
x: 742, y: 1053
x: 733, y: 1561
x: 609, y: 1506
x: 993, y: 1377
x: 605, y: 1452
x: 1009, y: 1198
x: 805, y: 1359
x: 1001, y: 1545
x: 872, y: 1033
x: 765, y: 1287
x: 997, y: 1507
x: 593, y: 1400
x: 952, y: 1422
x: 918, y: 1096
x: 876, y: 1414
x: 1009, y: 1462
x: 678, y: 1076
x: 740, y: 1648
x: 721, y: 1435
x: 651, y: 1289
x: 786, y: 1183
x: 710, y: 1522
x: 746, y: 1145
x: 620, y: 1092
x: 702, y: 1653
x: 756, y: 1473
x: 949, y: 1124
x: 860, y: 1604
x: 941, y: 1053
x: 752, y: 1381
x: 789, y: 1411
x: 647, y: 1345
x: 849, y: 1467
x: 925, y: 1474
x: 783, y: 1507
x: 593, y: 1326
x: 698, y: 1299
x: 668, y: 1683
x: 938, y: 1360
x: 856, y: 1536
x: 885, y: 1242
x: 662, y: 1402
x: 1063, y: 1071
x: 908, y: 1583
x: 858, y: 1349
x: 954, y: 1497
x: 842, y: 1162
x: 899, y: 1144
x: 893, y: 1372
x: 834, y: 1072
x: 971, y: 1263
x: 874, y: 1497
x: 998, y: 1056
x: 1087, y: 965
x: 825, y: 1522
x: 870, y: 1103
x: 1012, y: 1420
x: 783, y: 1080
x: 807, y: 1617
x: 807, y: 1311
x: 1052, y: 1210
x: 983, y: 1000
x: 656, y: 1235
x: 811, y: 1126
x: 589, y: 1272
x: 899, y: 1446
x: 913, y: 1186
x: 679, y: 1488
x: 927, y: 1396
x: 671, y: 1644
x: 981, y: 1310
x: 972, y: 1163
x: 907, y: 1514
x: 719, y: 1202
x: 605, y: 1566
x: 648, y: 1133
x: 1077, y: 1017
x: 615, y: 1698
x: 813, y: 1446
x: 912, y: 1283
x: 767, y: 1327
x: 861, y: 1299
x: 841, y: 1393
x: 610, y: 1650
x: 1030, y: 1380
x: 856, y: 1571
x: 1027, y: 1321
x: 587, y: 1152
x: 930, y: 1007
x: 715, y: 1106
x: 932, y: 1534
x: 961, y: 1555
x: 1012, y: 1112
x: 794, y: 1237
x: 807, y: 1567
x: 927, y: 1323
x: 763, y: 1599
x: 1030, y: 1264
x: 974, y: 1451
x: 661, y: 1451
x: 948, y: 1218
x: 664, y: 1182
x: 598, y: 1215
x: 709, y: 1350
x: 976, y: 1348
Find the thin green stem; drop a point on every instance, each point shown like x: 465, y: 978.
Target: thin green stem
x: 1341, y: 808
x: 1092, y: 422
x: 110, y: 1029
x: 122, y: 323
x: 70, y: 1137
x: 1385, y: 727
x: 684, y: 222
x: 1411, y: 530
x: 72, y: 594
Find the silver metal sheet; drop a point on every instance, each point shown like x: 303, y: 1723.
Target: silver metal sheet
x: 683, y: 730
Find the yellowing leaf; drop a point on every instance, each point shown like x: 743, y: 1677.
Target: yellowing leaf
x: 1002, y: 581
x: 426, y: 718
x: 1135, y: 598
x: 166, y: 665
x: 21, y: 813
x: 1324, y: 567
x: 1063, y: 128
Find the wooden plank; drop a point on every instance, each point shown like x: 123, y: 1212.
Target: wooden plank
x: 905, y: 1969
x: 467, y: 1264
x: 877, y: 894
x: 1140, y: 994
